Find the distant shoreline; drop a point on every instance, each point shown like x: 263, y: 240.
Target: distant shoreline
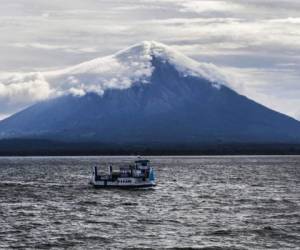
x: 29, y: 147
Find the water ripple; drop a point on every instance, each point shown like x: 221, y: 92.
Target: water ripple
x: 200, y: 203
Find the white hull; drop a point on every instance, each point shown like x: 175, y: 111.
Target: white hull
x: 116, y: 184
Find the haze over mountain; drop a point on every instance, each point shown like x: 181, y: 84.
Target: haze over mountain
x: 148, y: 94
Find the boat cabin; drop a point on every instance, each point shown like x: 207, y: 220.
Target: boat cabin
x: 142, y: 164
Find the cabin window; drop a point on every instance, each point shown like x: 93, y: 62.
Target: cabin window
x: 125, y: 181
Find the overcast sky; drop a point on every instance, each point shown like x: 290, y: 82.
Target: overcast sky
x: 255, y: 41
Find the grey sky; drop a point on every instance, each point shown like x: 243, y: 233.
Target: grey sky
x: 257, y: 42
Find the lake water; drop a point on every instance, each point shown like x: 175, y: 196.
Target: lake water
x: 200, y: 202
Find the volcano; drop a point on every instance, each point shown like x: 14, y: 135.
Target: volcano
x: 148, y: 94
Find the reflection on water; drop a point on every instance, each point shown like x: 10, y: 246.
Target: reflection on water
x: 200, y: 202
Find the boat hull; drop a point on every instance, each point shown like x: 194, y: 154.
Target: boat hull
x: 117, y: 184
x: 107, y: 184
x: 124, y: 186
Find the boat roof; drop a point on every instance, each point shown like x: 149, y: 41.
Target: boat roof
x: 142, y: 161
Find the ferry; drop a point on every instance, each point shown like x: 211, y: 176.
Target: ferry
x: 140, y: 174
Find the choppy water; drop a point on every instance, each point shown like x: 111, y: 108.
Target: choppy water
x: 200, y: 202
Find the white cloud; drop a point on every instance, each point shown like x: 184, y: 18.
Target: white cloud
x: 118, y: 71
x: 24, y: 88
x: 19, y: 90
x: 209, y: 6
x: 66, y: 48
x: 291, y: 20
